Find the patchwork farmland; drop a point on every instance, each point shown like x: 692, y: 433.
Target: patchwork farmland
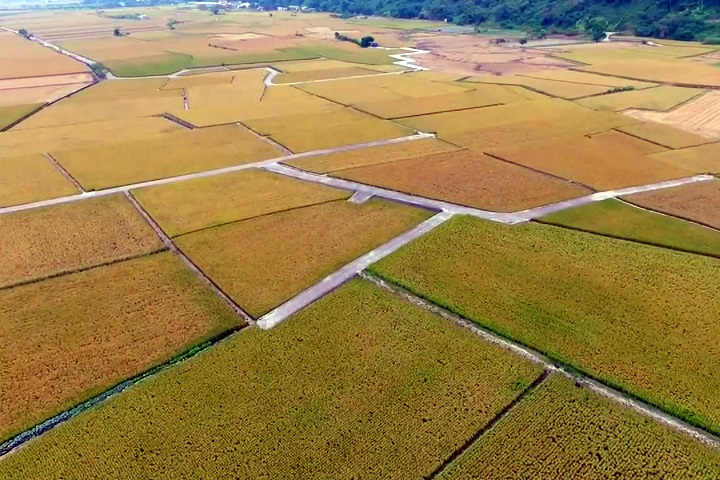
x: 234, y: 246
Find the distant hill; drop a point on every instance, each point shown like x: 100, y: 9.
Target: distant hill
x: 672, y: 19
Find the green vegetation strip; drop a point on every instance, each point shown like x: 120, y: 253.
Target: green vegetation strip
x: 360, y: 383
x: 616, y: 219
x: 638, y: 318
x: 563, y: 431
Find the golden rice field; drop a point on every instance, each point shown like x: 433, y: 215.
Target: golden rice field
x: 563, y: 431
x: 483, y: 96
x: 697, y: 202
x: 624, y: 298
x: 335, y: 162
x: 628, y: 144
x: 22, y: 58
x: 598, y: 163
x: 324, y: 74
x: 11, y: 114
x: 69, y: 338
x: 53, y: 240
x: 340, y: 126
x: 30, y: 179
x: 660, y: 98
x: 685, y: 73
x: 573, y: 76
x: 173, y: 154
x: 617, y: 219
x: 700, y: 159
x: 548, y: 87
x: 264, y: 261
x: 185, y: 207
x: 666, y: 135
x: 467, y: 178
x: 402, y: 394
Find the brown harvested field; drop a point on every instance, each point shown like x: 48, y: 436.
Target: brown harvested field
x: 23, y: 58
x: 470, y: 54
x: 699, y: 202
x: 47, y: 94
x: 44, y: 242
x: 598, y: 163
x: 666, y: 135
x: 483, y: 96
x: 336, y: 128
x: 700, y: 159
x: 324, y: 74
x: 264, y: 261
x: 66, y: 339
x: 660, y: 98
x: 30, y: 179
x: 174, y: 154
x: 336, y: 162
x: 185, y: 207
x: 700, y: 115
x: 467, y: 178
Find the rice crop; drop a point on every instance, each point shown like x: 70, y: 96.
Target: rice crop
x: 30, y: 179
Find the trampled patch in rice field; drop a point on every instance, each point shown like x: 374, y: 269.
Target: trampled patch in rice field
x: 563, y: 431
x: 405, y: 390
x: 194, y: 205
x: 467, y: 178
x: 617, y: 219
x: 65, y: 339
x: 640, y: 318
x: 699, y: 202
x: 264, y: 261
x: 52, y: 240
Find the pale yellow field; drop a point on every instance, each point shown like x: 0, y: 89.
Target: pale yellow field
x: 114, y: 48
x: 303, y: 133
x: 68, y: 137
x: 179, y: 153
x: 22, y: 58
x: 658, y: 98
x: 372, y: 156
x: 325, y: 74
x: 24, y: 96
x: 552, y: 88
x: 385, y: 88
x: 700, y: 159
x: 484, y: 95
x: 664, y: 135
x: 30, y: 179
x: 573, y: 76
x: 219, y: 78
x: 681, y: 72
x: 205, y: 202
x: 63, y: 238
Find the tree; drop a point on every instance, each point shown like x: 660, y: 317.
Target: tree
x: 117, y: 32
x: 215, y: 10
x: 596, y: 28
x: 365, y: 42
x: 523, y: 41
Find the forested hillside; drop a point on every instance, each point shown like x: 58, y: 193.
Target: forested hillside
x: 675, y: 19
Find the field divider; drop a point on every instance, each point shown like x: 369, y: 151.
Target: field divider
x: 580, y: 378
x: 178, y: 120
x: 266, y: 138
x: 343, y: 275
x: 167, y: 241
x: 22, y: 438
x: 413, y: 200
x: 477, y: 436
x: 68, y: 176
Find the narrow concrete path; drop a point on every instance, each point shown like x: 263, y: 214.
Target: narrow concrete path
x: 537, y: 357
x: 334, y: 280
x: 538, y: 212
x: 392, y: 195
x: 204, y: 174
